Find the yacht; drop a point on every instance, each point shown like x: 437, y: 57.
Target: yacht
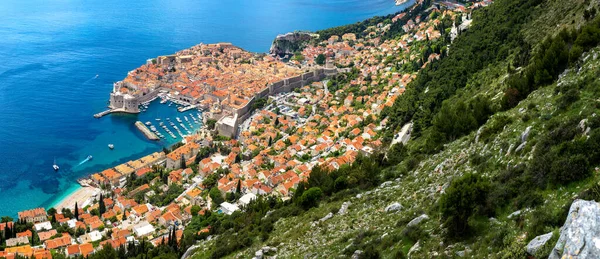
x: 55, y: 166
x: 111, y: 146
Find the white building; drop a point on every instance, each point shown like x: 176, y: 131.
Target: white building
x: 247, y: 198
x: 143, y: 229
x: 90, y: 237
x: 228, y: 208
x: 43, y: 226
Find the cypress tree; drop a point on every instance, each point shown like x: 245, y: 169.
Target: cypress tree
x: 76, y: 212
x: 238, y: 189
x: 101, y: 205
x: 183, y: 166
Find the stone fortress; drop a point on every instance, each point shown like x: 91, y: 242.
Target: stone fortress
x: 224, y: 99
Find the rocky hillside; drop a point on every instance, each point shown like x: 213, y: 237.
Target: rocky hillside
x: 289, y: 43
x: 506, y: 136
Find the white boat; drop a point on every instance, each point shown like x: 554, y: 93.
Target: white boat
x: 90, y: 157
x: 148, y: 123
x: 178, y: 119
x: 157, y: 119
x: 163, y: 101
x: 111, y: 146
x: 55, y: 166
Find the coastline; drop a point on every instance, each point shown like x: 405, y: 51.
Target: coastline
x: 82, y: 195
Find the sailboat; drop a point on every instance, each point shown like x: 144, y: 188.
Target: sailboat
x: 55, y: 166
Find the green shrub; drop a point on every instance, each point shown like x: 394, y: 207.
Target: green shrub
x: 464, y: 198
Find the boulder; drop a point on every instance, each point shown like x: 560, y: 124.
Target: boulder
x: 344, y: 208
x: 386, y: 184
x: 525, y: 134
x: 514, y: 214
x: 356, y: 254
x: 417, y: 220
x: 520, y: 147
x: 580, y: 235
x: 258, y: 254
x: 414, y: 248
x: 538, y: 242
x: 393, y: 207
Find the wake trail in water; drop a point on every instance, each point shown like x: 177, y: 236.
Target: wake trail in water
x: 83, y: 162
x: 91, y: 79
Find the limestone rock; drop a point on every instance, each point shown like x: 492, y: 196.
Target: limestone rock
x: 525, y: 134
x: 417, y: 220
x: 393, y: 207
x: 520, y: 147
x: 386, y: 184
x: 356, y: 254
x: 414, y: 248
x: 258, y: 254
x: 344, y: 208
x: 580, y: 235
x: 514, y: 214
x: 536, y: 243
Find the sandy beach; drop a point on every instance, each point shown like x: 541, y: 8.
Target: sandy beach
x: 83, y: 197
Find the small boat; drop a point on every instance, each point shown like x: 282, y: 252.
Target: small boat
x: 163, y: 101
x: 90, y: 157
x: 178, y: 119
x: 111, y: 146
x: 157, y: 119
x: 55, y: 166
x: 148, y: 123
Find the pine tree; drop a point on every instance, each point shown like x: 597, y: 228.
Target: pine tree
x: 76, y: 212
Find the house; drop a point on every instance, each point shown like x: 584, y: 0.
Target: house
x: 93, y: 236
x: 43, y: 226
x: 26, y: 233
x: 186, y: 151
x: 58, y: 242
x: 43, y: 236
x: 77, y: 250
x: 143, y: 229
x: 228, y: 208
x: 246, y: 199
x: 170, y: 217
x: 33, y: 216
x: 17, y: 241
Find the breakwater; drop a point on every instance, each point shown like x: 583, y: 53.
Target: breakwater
x: 149, y: 134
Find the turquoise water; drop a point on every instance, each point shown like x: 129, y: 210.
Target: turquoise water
x: 52, y: 50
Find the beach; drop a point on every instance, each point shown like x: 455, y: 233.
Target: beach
x: 83, y: 196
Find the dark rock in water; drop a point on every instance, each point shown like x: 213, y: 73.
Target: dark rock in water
x: 580, y: 235
x: 287, y: 44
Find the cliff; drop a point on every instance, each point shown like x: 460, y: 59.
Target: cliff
x: 289, y: 43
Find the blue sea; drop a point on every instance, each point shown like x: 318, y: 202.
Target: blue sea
x: 59, y: 58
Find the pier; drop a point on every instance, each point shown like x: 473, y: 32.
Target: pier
x: 149, y: 134
x: 101, y: 114
x: 187, y: 108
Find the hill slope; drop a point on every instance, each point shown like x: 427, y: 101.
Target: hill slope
x: 505, y: 137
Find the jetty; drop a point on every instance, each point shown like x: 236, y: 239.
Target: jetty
x: 149, y: 134
x: 101, y: 114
